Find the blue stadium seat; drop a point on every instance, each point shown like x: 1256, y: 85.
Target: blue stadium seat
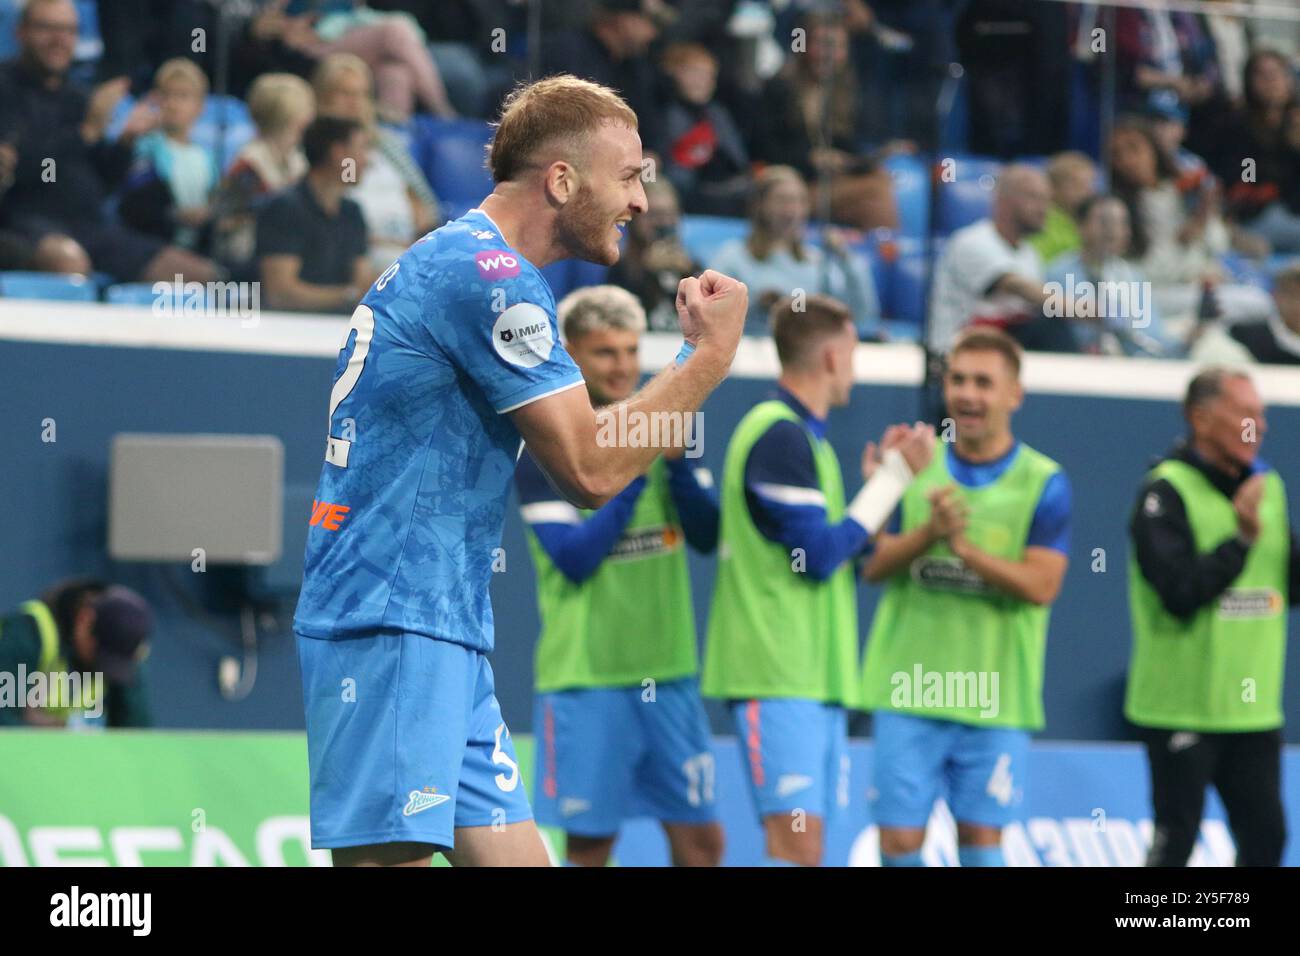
x: 452, y: 153
x: 970, y: 197
x: 569, y: 274
x: 47, y: 285
x: 239, y: 128
x: 904, y: 299
x: 130, y: 293
x: 702, y: 235
x: 9, y: 12
x: 911, y: 192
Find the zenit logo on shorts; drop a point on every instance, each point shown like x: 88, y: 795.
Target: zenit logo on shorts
x: 497, y: 264
x: 418, y: 800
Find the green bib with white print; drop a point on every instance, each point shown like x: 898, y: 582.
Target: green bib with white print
x: 944, y: 643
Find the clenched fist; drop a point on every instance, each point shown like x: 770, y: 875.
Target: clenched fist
x: 712, y: 311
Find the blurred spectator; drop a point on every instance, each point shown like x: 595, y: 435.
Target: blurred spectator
x: 1177, y: 237
x: 395, y: 198
x: 1123, y: 320
x: 1073, y: 179
x: 702, y: 150
x: 776, y: 261
x: 1161, y: 49
x: 1168, y: 119
x: 613, y: 50
x: 461, y: 42
x: 990, y: 274
x: 53, y: 252
x: 654, y: 260
x: 810, y: 119
x: 168, y: 191
x: 1014, y: 55
x: 1275, y: 340
x: 1269, y: 33
x: 293, y: 36
x: 1257, y: 160
x: 55, y: 128
x: 281, y: 106
x: 311, y: 239
x: 80, y: 627
x: 138, y: 35
x: 1230, y: 37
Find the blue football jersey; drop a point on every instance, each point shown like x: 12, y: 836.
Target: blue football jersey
x: 407, y: 519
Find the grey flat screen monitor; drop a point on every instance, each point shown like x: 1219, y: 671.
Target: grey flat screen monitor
x: 169, y: 495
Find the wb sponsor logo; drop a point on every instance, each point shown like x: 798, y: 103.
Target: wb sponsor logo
x: 497, y: 264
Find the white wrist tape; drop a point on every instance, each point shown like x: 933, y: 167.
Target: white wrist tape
x: 872, y: 506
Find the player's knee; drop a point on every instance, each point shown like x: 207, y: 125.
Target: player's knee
x: 976, y: 834
x: 799, y: 846
x: 895, y: 841
x: 698, y: 845
x: 588, y: 851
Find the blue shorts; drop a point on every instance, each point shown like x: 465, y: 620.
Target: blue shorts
x: 606, y: 754
x: 980, y: 771
x: 405, y: 742
x: 796, y: 753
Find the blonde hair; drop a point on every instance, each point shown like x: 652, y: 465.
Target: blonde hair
x: 180, y: 70
x: 760, y: 241
x: 335, y: 65
x: 1063, y: 164
x: 276, y: 99
x: 599, y: 307
x: 558, y: 110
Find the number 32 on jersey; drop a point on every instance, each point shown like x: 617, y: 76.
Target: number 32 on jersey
x: 363, y: 323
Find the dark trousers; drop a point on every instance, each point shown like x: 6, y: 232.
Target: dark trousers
x: 1246, y: 770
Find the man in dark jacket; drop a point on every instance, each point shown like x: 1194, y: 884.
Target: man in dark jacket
x: 1213, y: 568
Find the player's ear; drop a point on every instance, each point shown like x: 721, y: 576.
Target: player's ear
x: 561, y: 182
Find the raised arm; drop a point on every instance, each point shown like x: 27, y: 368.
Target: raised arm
x: 564, y: 433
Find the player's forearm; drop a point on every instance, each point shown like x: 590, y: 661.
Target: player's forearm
x: 629, y: 436
x: 1020, y: 579
x: 303, y: 296
x: 895, y: 552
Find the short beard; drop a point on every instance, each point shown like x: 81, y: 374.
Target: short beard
x: 576, y: 223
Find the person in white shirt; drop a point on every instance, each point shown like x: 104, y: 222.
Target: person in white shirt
x: 990, y: 274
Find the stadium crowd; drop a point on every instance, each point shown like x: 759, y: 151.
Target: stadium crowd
x: 791, y: 144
